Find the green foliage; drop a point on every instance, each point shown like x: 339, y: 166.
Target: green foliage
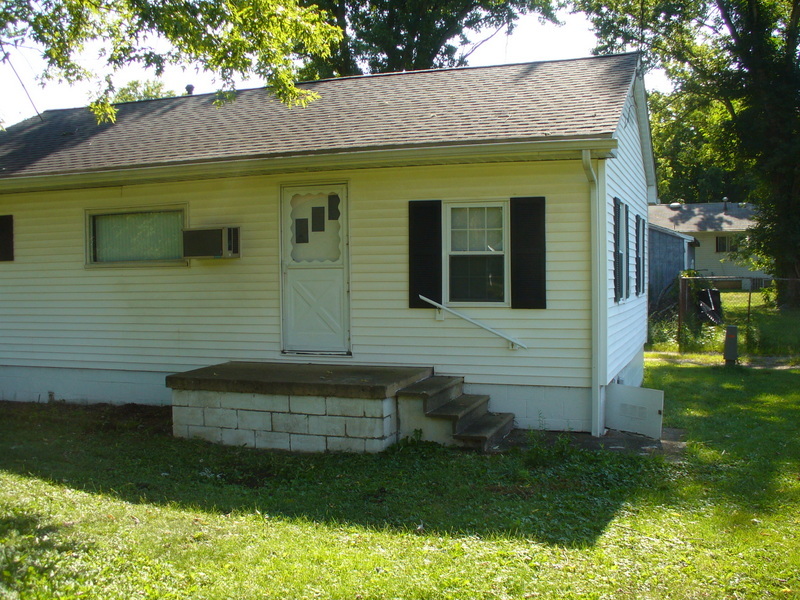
x: 141, y: 90
x: 541, y: 453
x: 662, y: 334
x: 764, y: 330
x: 769, y: 295
x: 384, y: 36
x: 230, y: 39
x: 696, y: 151
x: 741, y: 61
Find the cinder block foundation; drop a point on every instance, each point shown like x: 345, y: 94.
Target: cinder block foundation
x: 278, y: 423
x: 300, y: 408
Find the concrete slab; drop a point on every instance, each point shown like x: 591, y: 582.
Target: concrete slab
x: 294, y: 379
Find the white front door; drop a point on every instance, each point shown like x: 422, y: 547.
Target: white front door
x: 316, y: 306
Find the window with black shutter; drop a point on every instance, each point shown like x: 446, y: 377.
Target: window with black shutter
x: 618, y: 258
x: 639, y: 255
x: 486, y: 253
x: 626, y: 250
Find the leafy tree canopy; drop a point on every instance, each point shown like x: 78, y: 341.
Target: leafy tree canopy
x: 383, y: 36
x: 230, y: 39
x: 740, y: 60
x: 136, y: 90
x: 696, y: 151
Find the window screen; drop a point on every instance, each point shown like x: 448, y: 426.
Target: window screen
x: 137, y: 236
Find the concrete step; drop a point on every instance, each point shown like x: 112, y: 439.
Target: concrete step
x: 462, y: 410
x: 486, y: 431
x: 434, y: 391
x: 437, y: 408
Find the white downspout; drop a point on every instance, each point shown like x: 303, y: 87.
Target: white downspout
x: 599, y: 295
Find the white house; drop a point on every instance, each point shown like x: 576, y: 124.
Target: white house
x: 715, y: 227
x: 513, y: 196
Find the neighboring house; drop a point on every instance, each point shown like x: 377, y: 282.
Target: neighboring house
x: 716, y: 227
x: 669, y: 254
x: 515, y: 195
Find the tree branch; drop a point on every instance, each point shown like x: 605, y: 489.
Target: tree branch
x: 792, y: 33
x: 726, y: 17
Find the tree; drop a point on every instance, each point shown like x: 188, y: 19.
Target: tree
x: 231, y: 38
x: 695, y: 151
x: 383, y: 36
x: 742, y: 56
x: 136, y: 90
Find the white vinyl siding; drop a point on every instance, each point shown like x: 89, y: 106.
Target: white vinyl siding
x: 710, y: 262
x: 625, y: 179
x: 387, y: 332
x: 55, y: 312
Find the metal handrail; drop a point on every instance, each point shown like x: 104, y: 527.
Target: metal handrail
x: 513, y: 344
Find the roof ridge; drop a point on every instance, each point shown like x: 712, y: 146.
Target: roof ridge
x: 471, y: 67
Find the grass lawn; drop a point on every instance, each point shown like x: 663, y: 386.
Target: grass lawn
x: 102, y: 503
x: 768, y: 332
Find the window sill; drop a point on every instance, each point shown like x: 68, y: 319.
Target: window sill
x: 138, y: 264
x: 463, y: 304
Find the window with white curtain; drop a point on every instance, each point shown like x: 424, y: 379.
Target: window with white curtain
x: 136, y: 236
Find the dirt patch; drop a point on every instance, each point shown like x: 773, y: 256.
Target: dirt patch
x: 671, y: 445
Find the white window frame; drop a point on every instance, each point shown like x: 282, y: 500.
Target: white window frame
x: 447, y: 207
x: 127, y: 264
x: 731, y: 244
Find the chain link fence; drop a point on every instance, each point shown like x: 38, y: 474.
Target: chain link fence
x: 693, y: 318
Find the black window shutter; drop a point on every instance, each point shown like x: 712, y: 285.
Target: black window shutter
x: 6, y: 237
x: 617, y: 248
x: 639, y: 278
x: 424, y: 252
x: 626, y: 281
x: 528, y: 257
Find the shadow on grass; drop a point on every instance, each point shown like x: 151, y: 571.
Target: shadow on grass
x: 742, y: 429
x: 553, y: 495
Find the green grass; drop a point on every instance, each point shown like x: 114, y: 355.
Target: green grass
x: 766, y: 332
x: 102, y: 503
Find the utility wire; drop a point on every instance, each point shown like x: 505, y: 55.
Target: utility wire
x: 7, y: 58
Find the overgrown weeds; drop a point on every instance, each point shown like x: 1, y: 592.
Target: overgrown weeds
x: 763, y: 328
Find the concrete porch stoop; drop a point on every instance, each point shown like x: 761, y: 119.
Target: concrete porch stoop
x: 329, y: 408
x: 436, y: 410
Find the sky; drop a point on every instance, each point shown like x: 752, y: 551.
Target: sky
x: 530, y: 41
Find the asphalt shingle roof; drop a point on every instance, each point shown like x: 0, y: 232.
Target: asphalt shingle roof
x: 571, y: 99
x: 711, y: 216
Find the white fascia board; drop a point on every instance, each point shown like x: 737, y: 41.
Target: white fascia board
x: 648, y: 159
x: 600, y: 147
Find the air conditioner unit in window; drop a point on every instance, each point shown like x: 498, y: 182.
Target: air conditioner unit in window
x: 216, y: 242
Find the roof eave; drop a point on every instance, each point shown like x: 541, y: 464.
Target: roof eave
x: 673, y: 232
x: 521, y: 151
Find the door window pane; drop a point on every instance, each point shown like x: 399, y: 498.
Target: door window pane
x: 321, y: 242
